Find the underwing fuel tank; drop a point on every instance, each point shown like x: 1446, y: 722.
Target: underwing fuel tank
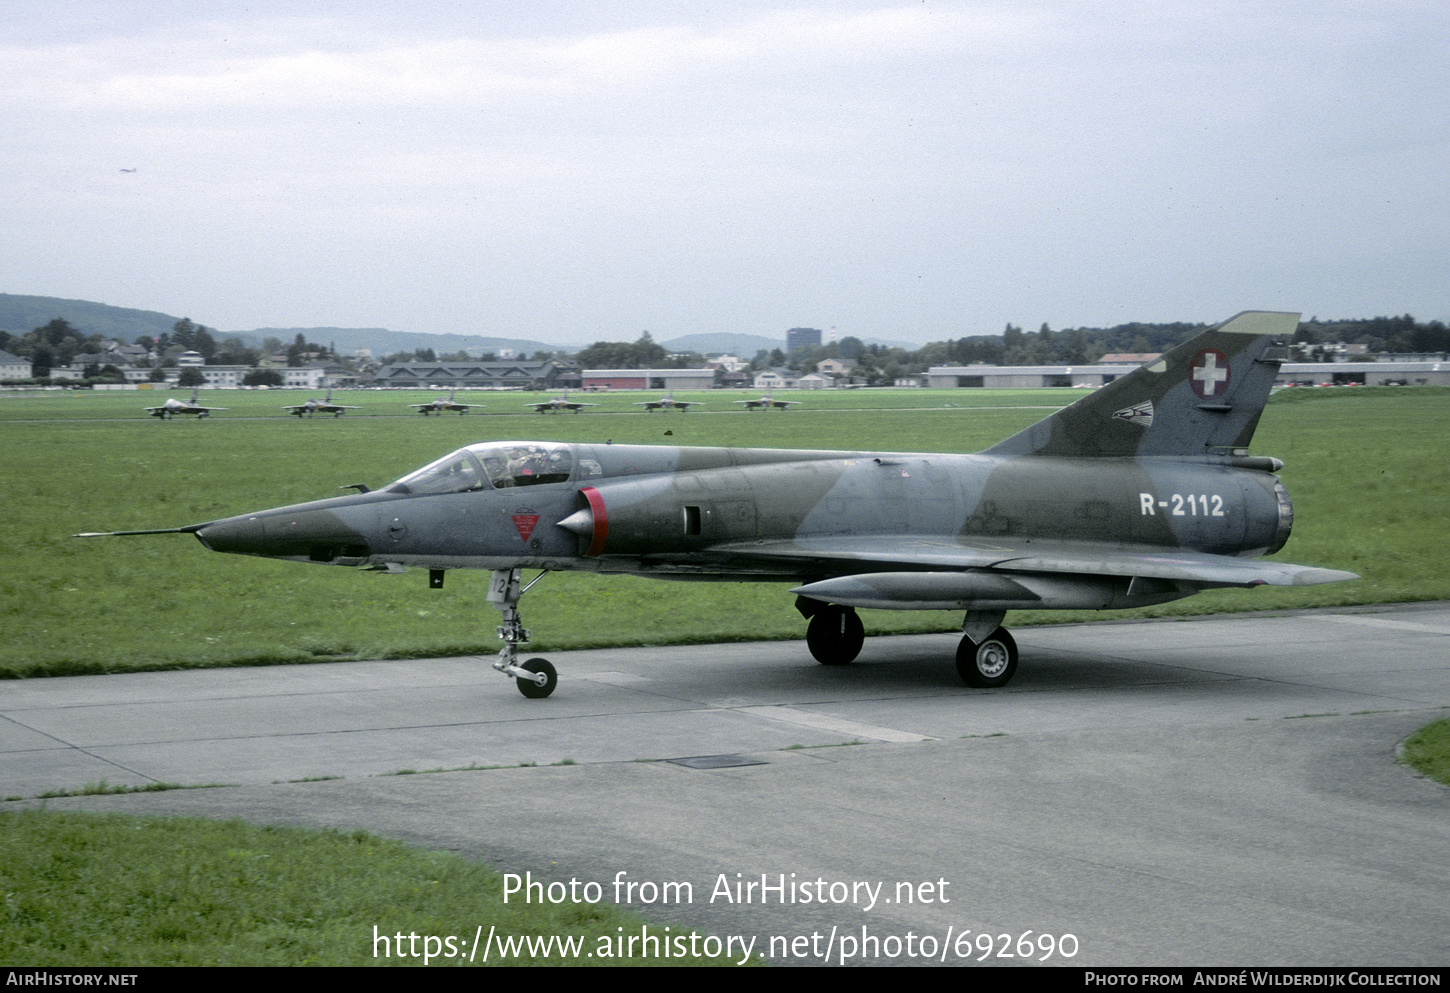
x: 985, y: 590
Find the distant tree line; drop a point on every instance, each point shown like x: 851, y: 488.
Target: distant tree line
x: 57, y: 343
x: 884, y: 364
x: 52, y: 344
x: 645, y: 353
x: 186, y: 336
x: 881, y: 364
x: 1381, y: 334
x: 462, y: 355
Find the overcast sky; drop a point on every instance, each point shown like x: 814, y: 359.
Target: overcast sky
x: 571, y: 171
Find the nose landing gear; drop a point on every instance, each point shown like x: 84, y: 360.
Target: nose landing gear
x: 536, y: 678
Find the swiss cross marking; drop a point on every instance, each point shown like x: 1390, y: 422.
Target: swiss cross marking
x: 1209, y: 374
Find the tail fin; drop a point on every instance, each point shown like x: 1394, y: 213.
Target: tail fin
x: 1202, y: 397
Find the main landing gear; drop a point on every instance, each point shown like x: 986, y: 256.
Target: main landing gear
x: 835, y: 635
x: 536, y: 678
x: 986, y: 656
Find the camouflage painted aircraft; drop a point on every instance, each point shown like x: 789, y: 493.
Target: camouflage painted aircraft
x: 1140, y: 493
x: 668, y: 402
x: 559, y: 405
x: 767, y: 402
x: 442, y: 405
x: 316, y: 406
x: 173, y: 407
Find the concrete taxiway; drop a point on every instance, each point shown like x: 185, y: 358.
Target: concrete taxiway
x: 1213, y: 791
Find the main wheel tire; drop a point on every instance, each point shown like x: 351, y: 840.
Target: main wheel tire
x: 533, y: 690
x: 835, y: 635
x: 991, y: 663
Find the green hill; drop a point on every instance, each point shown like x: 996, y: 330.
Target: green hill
x: 23, y: 314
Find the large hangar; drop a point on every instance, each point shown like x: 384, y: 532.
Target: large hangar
x: 1290, y: 374
x: 649, y: 379
x: 1002, y: 377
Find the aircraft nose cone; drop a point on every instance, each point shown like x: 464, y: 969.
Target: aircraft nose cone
x: 316, y: 534
x: 243, y: 535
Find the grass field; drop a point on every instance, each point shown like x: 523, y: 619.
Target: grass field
x: 131, y: 404
x: 1367, y: 469
x: 95, y: 890
x: 1428, y: 751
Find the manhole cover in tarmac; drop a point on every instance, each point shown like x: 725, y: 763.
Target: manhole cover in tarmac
x: 716, y: 761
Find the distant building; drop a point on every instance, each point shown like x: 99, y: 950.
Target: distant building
x: 776, y: 379
x: 477, y: 375
x: 730, y: 363
x: 220, y: 376
x: 799, y: 338
x: 14, y: 367
x: 119, y: 353
x: 76, y: 368
x: 304, y: 377
x: 649, y: 379
x: 1024, y: 376
x: 1380, y: 373
x: 734, y: 380
x: 1290, y: 374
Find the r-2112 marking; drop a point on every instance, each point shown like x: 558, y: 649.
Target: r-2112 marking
x: 1196, y: 504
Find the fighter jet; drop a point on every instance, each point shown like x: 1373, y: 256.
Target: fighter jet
x: 1139, y: 493
x: 559, y: 404
x: 767, y: 402
x: 442, y: 405
x: 316, y: 406
x: 668, y: 402
x: 173, y: 407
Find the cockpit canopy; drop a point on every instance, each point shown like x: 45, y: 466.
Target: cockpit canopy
x: 491, y: 465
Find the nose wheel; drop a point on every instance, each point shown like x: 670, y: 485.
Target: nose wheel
x: 536, y: 678
x: 541, y: 669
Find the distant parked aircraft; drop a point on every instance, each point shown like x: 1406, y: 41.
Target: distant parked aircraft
x: 172, y: 407
x: 668, y: 402
x: 315, y: 406
x: 442, y: 405
x: 559, y: 404
x: 766, y: 402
